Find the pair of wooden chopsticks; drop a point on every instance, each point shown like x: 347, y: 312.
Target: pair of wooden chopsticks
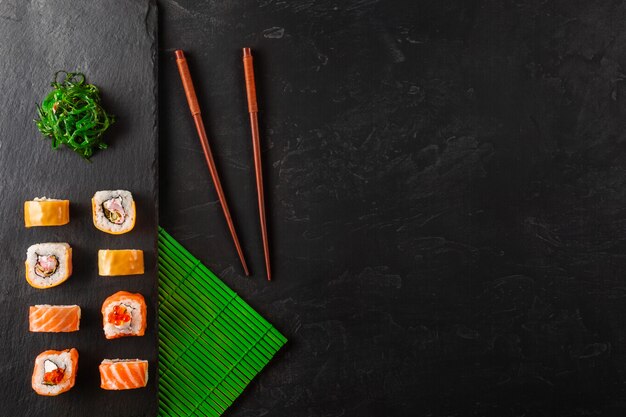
x: 192, y: 100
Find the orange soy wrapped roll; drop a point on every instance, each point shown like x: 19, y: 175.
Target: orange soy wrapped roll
x: 121, y: 374
x: 113, y: 211
x: 46, y: 212
x: 48, y: 264
x: 54, y: 319
x: 55, y: 371
x: 124, y: 314
x: 120, y: 262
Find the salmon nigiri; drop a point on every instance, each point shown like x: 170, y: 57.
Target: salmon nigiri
x: 119, y: 374
x: 54, y: 319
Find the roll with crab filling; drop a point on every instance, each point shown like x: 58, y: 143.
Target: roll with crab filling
x: 55, y: 371
x: 46, y: 212
x: 113, y: 211
x: 124, y: 314
x: 48, y: 264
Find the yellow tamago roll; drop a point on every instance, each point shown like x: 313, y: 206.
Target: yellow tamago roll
x: 120, y: 262
x: 46, y: 212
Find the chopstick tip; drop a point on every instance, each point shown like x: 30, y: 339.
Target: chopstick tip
x: 179, y: 54
x: 247, y: 52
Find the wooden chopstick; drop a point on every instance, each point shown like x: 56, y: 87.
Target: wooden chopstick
x: 253, y: 109
x: 194, y: 107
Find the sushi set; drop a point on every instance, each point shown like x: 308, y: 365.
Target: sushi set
x: 79, y: 266
x: 123, y: 313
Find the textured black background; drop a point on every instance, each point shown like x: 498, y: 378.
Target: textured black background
x: 445, y: 183
x: 36, y: 40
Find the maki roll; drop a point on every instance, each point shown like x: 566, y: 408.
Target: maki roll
x: 46, y: 212
x: 124, y: 314
x: 120, y: 262
x: 120, y: 374
x: 55, y: 371
x: 54, y: 319
x: 113, y: 211
x: 48, y: 264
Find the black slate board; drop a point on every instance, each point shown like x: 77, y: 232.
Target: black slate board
x: 114, y: 43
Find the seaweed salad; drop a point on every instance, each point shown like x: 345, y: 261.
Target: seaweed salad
x: 71, y: 114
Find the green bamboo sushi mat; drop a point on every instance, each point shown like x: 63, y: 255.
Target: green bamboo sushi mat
x: 211, y: 343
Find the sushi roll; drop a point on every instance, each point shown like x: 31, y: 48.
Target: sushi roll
x: 120, y: 262
x: 48, y: 264
x: 54, y: 319
x: 113, y: 211
x: 55, y: 371
x: 124, y: 314
x: 120, y: 374
x: 46, y: 212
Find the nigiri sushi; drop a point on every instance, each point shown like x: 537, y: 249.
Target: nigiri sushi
x: 55, y: 371
x: 48, y: 264
x: 113, y: 211
x: 124, y: 314
x: 54, y: 319
x: 121, y: 374
x: 46, y: 212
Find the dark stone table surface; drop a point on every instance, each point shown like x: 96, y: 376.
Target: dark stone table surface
x: 446, y: 188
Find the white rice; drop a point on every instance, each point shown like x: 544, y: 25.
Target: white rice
x: 58, y: 306
x: 44, y: 198
x: 60, y: 250
x: 127, y: 203
x: 63, y: 361
x: 122, y: 360
x: 136, y: 320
